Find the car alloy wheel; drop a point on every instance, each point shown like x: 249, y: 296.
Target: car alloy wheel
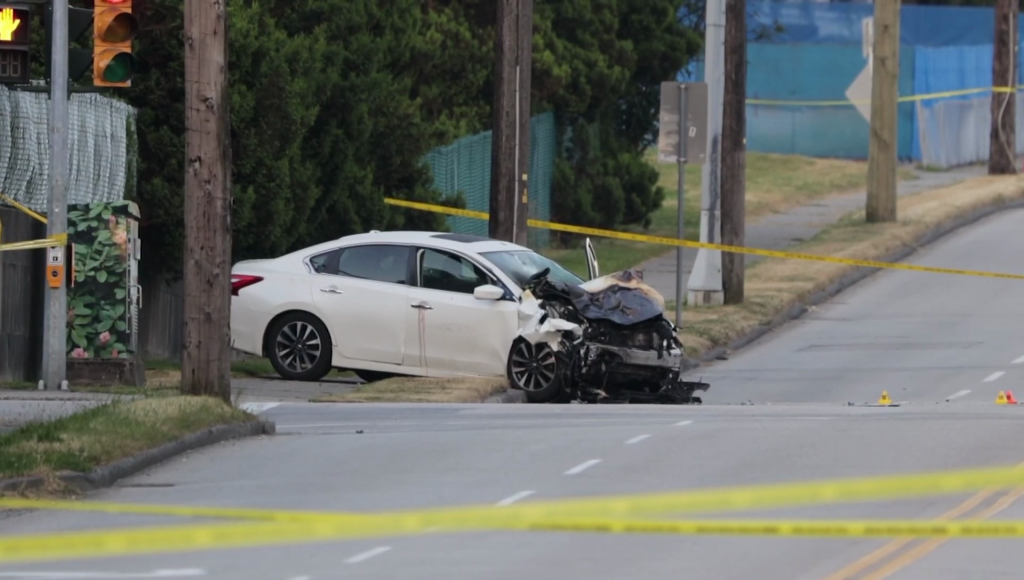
x: 533, y: 366
x: 298, y: 346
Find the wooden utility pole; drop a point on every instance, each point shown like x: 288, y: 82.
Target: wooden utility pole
x: 206, y: 361
x: 510, y: 149
x: 882, y: 152
x: 1002, y: 141
x: 734, y: 163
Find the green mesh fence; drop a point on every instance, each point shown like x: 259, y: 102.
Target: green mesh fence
x: 465, y: 166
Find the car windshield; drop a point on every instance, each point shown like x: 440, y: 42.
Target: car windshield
x: 521, y: 264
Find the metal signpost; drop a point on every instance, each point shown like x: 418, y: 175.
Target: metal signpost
x: 682, y: 137
x: 55, y: 307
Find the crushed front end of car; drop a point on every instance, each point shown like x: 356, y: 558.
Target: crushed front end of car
x: 605, y: 341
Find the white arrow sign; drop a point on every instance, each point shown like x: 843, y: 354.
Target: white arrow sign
x: 860, y: 90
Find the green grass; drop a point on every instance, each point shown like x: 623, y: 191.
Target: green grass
x: 774, y: 183
x: 19, y: 386
x: 421, y: 390
x: 109, y: 432
x: 128, y: 390
x: 252, y: 367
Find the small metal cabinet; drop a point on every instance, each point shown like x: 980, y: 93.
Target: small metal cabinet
x: 104, y: 296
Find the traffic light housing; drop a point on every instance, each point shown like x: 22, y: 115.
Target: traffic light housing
x: 79, y: 59
x: 114, y: 28
x: 15, y: 20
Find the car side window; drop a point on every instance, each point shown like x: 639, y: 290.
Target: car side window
x: 381, y: 263
x: 325, y: 263
x: 444, y: 271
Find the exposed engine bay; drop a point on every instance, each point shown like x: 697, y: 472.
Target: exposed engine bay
x: 604, y: 341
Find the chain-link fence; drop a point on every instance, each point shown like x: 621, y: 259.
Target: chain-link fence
x: 956, y: 131
x: 465, y: 166
x: 102, y: 145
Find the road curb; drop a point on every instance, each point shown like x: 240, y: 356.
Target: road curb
x: 848, y: 280
x: 107, y: 475
x: 509, y: 396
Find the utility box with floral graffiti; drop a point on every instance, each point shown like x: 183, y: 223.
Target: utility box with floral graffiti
x: 104, y: 294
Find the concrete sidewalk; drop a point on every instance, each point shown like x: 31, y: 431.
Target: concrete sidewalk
x: 18, y: 407
x: 782, y: 230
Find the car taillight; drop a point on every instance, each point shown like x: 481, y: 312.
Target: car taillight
x: 239, y: 281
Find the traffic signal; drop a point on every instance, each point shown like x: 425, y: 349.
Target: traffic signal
x: 114, y: 27
x: 79, y: 59
x: 14, y: 42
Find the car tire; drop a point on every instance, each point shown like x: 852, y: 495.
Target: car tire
x: 373, y: 376
x: 299, y: 347
x: 533, y: 369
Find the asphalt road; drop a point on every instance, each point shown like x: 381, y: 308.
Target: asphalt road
x: 942, y: 345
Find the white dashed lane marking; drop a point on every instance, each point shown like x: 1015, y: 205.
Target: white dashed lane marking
x: 994, y: 376
x: 582, y: 466
x: 637, y: 439
x: 958, y: 394
x: 1019, y: 361
x: 681, y: 423
x: 515, y: 497
x: 362, y: 557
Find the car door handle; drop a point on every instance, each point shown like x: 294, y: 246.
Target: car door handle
x: 331, y: 290
x: 422, y: 306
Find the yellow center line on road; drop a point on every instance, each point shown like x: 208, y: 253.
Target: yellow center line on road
x: 928, y: 547
x: 874, y: 557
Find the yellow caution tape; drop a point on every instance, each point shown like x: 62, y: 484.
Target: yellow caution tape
x: 24, y: 209
x: 280, y: 516
x: 58, y: 240
x: 135, y: 541
x: 600, y: 514
x: 713, y: 500
x: 810, y: 528
x: 709, y: 246
x: 906, y: 99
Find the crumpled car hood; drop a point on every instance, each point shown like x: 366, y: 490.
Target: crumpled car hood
x: 621, y: 297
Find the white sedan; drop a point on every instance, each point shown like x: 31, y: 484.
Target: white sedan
x: 410, y: 303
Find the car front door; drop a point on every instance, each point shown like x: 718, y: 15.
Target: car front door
x: 449, y: 329
x: 363, y: 292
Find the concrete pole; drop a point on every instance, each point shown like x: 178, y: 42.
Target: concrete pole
x: 680, y: 214
x: 705, y: 284
x: 55, y: 308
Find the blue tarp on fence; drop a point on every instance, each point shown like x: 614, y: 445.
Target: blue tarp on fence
x: 950, y: 68
x: 803, y: 72
x: 818, y: 55
x: 840, y: 22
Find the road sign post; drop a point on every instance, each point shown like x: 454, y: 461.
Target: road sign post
x: 55, y: 307
x: 682, y: 137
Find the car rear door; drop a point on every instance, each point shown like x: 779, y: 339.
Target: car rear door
x: 364, y: 296
x: 450, y: 330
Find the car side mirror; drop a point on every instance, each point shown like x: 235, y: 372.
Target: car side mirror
x: 488, y: 292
